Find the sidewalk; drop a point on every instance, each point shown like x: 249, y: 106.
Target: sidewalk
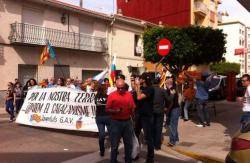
x: 210, y: 142
x: 2, y: 111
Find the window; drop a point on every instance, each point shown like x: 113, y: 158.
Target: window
x: 86, y: 27
x: 240, y: 31
x: 26, y: 72
x: 137, y: 46
x: 240, y: 42
x: 61, y: 71
x: 32, y: 16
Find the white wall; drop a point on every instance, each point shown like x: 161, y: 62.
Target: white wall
x: 233, y: 42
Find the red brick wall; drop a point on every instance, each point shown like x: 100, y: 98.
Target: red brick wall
x: 170, y: 12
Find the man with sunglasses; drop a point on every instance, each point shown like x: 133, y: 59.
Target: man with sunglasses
x: 245, y: 118
x: 120, y: 105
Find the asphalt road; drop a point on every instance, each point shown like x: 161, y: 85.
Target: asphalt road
x: 24, y: 144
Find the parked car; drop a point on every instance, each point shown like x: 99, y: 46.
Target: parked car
x: 240, y: 147
x: 217, y: 87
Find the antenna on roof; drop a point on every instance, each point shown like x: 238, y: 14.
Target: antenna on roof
x: 81, y: 3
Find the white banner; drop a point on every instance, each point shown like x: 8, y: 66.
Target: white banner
x: 60, y: 108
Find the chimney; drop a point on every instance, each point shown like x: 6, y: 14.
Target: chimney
x: 81, y: 5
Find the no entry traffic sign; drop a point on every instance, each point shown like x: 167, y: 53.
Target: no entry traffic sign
x: 163, y: 47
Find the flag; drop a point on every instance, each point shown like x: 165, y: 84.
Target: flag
x: 48, y: 52
x: 100, y: 77
x: 112, y: 73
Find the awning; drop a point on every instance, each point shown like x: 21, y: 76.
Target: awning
x: 245, y: 3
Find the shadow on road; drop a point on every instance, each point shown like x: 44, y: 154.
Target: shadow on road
x: 49, y: 157
x: 69, y: 132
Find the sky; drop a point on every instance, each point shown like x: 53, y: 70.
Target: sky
x: 105, y: 6
x: 233, y: 8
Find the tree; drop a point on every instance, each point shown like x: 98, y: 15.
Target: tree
x: 191, y: 46
x: 210, y: 42
x: 224, y: 68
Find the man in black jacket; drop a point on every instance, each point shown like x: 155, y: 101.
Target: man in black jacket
x: 161, y: 98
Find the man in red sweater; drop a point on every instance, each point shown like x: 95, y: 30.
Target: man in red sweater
x: 120, y: 105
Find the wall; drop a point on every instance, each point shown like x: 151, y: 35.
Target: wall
x: 211, y: 19
x: 12, y: 11
x: 233, y: 39
x: 174, y: 13
x: 123, y: 44
x: 9, y: 13
x: 77, y: 60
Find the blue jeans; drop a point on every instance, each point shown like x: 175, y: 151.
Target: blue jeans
x: 203, y: 112
x: 118, y: 130
x: 245, y: 118
x: 101, y: 122
x: 157, y: 129
x: 186, y: 106
x: 173, y: 126
x: 9, y: 107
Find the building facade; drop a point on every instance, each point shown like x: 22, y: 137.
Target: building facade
x: 84, y: 41
x: 237, y: 38
x: 174, y: 13
x: 126, y: 44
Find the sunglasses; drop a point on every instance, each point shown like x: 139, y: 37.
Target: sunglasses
x: 120, y: 89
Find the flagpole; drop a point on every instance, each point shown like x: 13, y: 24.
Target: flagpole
x: 60, y: 66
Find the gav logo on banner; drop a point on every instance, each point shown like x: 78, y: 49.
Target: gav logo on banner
x: 60, y: 108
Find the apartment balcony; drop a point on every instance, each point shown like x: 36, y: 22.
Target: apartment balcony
x: 22, y: 33
x: 200, y: 9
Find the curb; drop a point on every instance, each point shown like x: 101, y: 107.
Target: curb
x: 195, y: 155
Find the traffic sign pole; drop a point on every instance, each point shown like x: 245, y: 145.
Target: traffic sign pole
x: 163, y: 49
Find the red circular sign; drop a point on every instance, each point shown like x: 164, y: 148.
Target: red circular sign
x: 164, y: 47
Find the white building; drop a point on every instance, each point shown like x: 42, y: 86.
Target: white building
x: 237, y: 42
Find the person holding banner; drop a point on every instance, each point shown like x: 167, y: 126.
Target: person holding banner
x: 102, y: 118
x: 69, y: 83
x: 33, y: 83
x: 51, y: 83
x: 120, y: 105
x: 60, y: 82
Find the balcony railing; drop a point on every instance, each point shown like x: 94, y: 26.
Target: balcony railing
x: 201, y: 8
x: 37, y: 35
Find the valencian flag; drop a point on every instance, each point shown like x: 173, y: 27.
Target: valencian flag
x: 112, y: 73
x: 48, y: 52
